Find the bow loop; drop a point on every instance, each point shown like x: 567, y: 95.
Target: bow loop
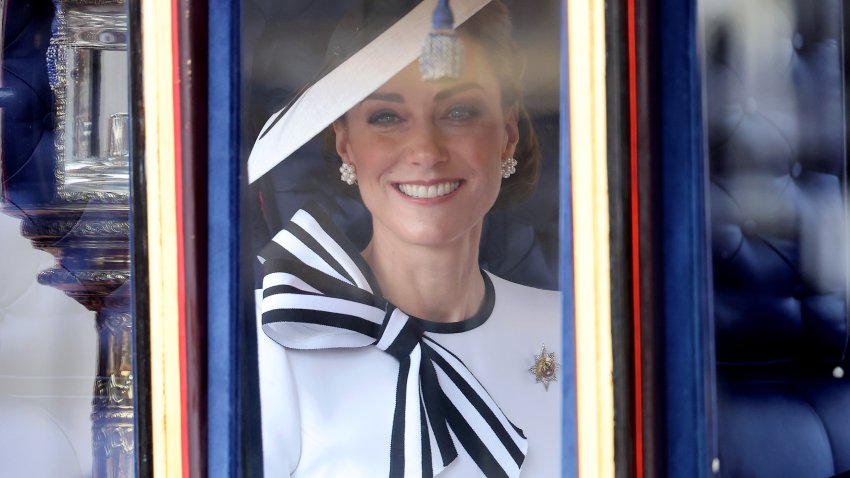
x: 318, y: 293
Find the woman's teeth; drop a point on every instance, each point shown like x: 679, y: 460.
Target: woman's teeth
x: 427, y: 192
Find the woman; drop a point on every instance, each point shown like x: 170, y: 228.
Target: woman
x: 406, y: 359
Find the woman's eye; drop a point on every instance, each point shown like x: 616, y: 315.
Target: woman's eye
x: 462, y: 113
x: 383, y: 118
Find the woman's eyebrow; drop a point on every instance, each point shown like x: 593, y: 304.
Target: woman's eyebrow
x: 441, y: 95
x: 393, y: 97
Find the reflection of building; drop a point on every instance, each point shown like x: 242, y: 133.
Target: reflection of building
x: 47, y: 365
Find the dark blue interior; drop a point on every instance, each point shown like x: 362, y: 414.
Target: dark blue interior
x: 27, y: 103
x: 778, y: 198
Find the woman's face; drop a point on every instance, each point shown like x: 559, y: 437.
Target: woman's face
x: 427, y: 154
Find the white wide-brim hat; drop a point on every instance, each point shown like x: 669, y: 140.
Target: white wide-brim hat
x: 345, y: 85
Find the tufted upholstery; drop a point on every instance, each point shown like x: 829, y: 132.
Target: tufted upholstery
x: 778, y: 197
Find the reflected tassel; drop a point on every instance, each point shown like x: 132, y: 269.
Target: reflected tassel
x: 442, y: 53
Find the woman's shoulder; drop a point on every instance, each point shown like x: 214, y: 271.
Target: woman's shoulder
x: 506, y: 289
x: 525, y: 311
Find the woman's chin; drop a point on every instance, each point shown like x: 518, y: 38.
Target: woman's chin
x: 434, y: 232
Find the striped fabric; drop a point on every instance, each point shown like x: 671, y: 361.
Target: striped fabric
x: 319, y: 293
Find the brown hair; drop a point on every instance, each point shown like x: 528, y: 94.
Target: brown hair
x: 491, y: 27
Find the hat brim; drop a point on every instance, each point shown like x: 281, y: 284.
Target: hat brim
x: 348, y: 84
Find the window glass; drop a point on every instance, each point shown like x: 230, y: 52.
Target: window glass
x: 427, y: 157
x: 774, y: 83
x: 66, y: 375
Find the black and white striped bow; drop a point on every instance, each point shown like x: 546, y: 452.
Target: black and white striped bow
x: 318, y: 293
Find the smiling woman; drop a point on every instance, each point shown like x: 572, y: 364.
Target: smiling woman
x: 403, y: 356
x: 427, y: 156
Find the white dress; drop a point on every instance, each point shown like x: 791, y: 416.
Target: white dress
x: 329, y: 413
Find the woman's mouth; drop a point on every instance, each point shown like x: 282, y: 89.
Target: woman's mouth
x: 421, y: 191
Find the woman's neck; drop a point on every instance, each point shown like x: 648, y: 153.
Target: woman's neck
x: 442, y: 284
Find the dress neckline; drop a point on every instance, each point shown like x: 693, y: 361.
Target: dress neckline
x: 477, y: 320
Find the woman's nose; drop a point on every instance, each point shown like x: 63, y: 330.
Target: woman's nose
x: 427, y: 146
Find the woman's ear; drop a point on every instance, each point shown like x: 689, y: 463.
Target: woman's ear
x: 511, y: 130
x: 341, y: 139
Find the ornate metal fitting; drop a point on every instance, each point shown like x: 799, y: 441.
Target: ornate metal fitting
x: 89, y: 50
x: 116, y: 390
x: 117, y: 438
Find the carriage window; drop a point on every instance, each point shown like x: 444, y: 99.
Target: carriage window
x: 66, y: 369
x: 774, y: 83
x: 382, y: 201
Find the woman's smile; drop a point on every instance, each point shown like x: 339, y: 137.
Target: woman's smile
x: 431, y: 190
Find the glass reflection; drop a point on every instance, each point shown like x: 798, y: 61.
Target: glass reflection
x: 90, y: 84
x: 774, y: 81
x: 65, y: 175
